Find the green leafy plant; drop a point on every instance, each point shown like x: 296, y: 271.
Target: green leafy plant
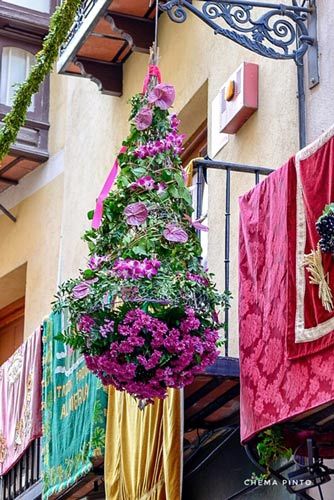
x: 60, y: 24
x: 144, y: 311
x: 271, y: 448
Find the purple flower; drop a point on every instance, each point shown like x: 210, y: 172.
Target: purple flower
x: 197, y: 224
x: 107, y: 328
x: 174, y: 122
x: 172, y: 141
x: 136, y: 213
x: 81, y: 290
x: 175, y: 233
x: 85, y: 323
x: 202, y: 280
x: 184, y: 175
x: 143, y: 118
x: 135, y: 269
x: 146, y: 183
x: 161, y: 187
x: 163, y: 96
x: 96, y: 261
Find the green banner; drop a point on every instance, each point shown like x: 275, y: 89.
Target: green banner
x: 74, y: 413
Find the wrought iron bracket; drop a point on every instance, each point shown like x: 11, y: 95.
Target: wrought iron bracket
x: 279, y: 31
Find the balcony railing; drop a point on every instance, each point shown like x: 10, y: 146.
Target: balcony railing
x: 230, y: 168
x: 23, y: 481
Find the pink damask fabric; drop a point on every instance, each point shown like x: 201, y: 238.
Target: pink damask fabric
x: 20, y: 401
x: 274, y: 385
x: 311, y: 327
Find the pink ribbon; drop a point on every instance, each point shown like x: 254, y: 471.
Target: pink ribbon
x: 153, y: 70
x: 97, y: 218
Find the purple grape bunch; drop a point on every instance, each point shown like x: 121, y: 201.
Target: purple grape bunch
x: 325, y: 228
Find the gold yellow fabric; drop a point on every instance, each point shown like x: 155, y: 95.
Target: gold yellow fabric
x: 143, y: 458
x: 189, y: 168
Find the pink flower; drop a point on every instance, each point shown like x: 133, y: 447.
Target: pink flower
x: 174, y: 122
x: 143, y: 118
x: 175, y: 233
x: 146, y: 183
x: 196, y: 224
x: 135, y: 269
x: 85, y: 323
x: 161, y: 187
x: 95, y: 262
x: 184, y: 175
x: 163, y: 96
x: 81, y: 290
x: 136, y: 213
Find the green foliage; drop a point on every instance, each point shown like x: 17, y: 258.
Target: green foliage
x: 271, y: 447
x: 60, y: 24
x: 170, y: 292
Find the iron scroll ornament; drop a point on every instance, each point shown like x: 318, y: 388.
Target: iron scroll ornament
x: 279, y: 33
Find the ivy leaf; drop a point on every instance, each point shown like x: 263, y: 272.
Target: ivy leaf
x: 88, y: 274
x: 139, y: 250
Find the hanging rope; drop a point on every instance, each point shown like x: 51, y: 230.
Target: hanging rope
x: 153, y: 69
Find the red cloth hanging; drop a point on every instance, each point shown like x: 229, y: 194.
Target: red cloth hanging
x: 282, y: 374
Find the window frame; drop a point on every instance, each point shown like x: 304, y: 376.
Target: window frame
x: 41, y: 112
x: 26, y: 12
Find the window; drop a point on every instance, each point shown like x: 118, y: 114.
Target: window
x: 39, y: 5
x: 196, y: 147
x: 15, y: 67
x: 11, y: 328
x: 12, y: 304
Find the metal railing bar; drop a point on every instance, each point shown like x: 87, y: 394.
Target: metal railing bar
x: 227, y: 252
x: 265, y: 5
x: 234, y: 167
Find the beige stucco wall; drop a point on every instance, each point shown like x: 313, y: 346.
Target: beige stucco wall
x: 89, y: 128
x: 319, y: 100
x: 190, y: 56
x: 34, y: 240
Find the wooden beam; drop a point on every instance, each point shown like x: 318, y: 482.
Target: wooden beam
x: 10, y: 165
x: 140, y: 30
x: 7, y: 213
x: 107, y: 76
x: 195, y: 420
x: 11, y: 182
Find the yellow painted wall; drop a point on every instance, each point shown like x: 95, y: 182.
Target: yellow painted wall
x: 190, y: 56
x: 34, y: 239
x: 89, y: 127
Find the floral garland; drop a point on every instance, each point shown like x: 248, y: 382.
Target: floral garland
x: 144, y: 310
x: 60, y: 24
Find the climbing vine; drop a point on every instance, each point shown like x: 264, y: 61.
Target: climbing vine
x: 60, y: 24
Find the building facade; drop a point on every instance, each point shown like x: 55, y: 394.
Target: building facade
x: 80, y: 117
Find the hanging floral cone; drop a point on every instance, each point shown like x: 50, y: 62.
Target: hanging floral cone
x: 144, y: 310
